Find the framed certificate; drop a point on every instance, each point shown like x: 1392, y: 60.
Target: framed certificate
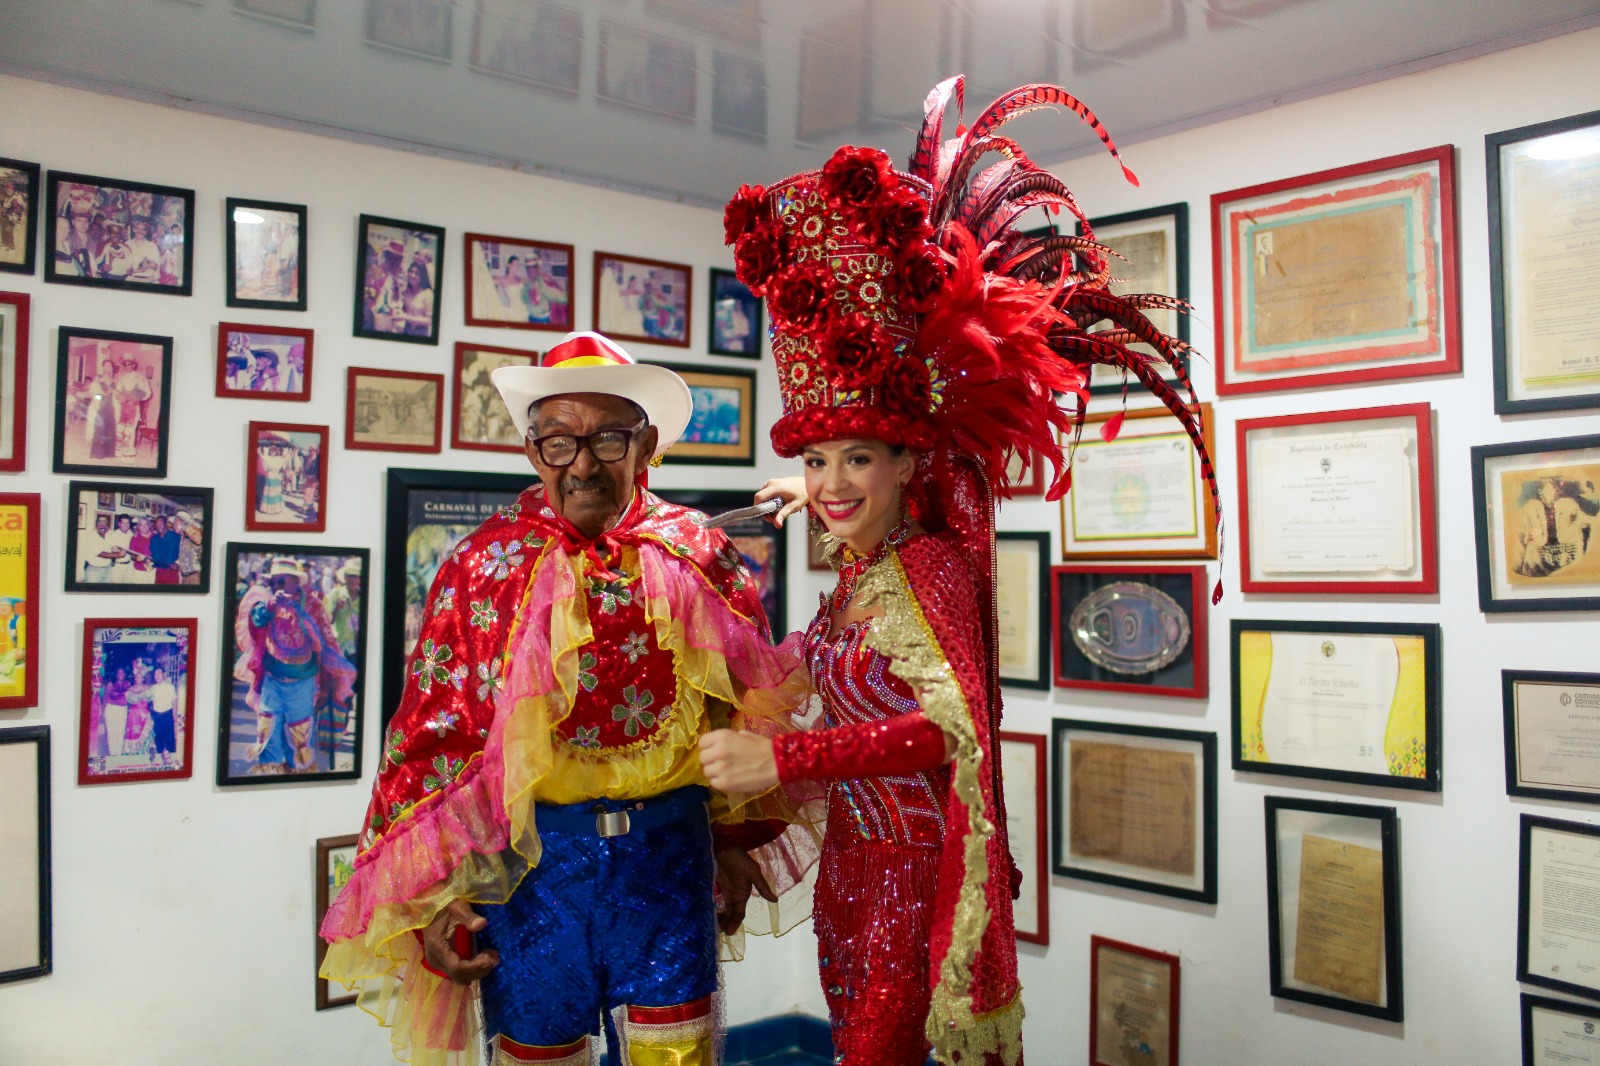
x: 1340, y: 501
x: 1022, y: 771
x: 1152, y: 255
x: 1333, y: 905
x: 1135, y: 806
x: 1559, y: 1030
x: 1558, y: 868
x: 1021, y: 563
x: 1141, y: 495
x: 1537, y: 505
x: 1133, y: 1005
x: 25, y: 852
x: 1339, y: 701
x: 1339, y: 276
x: 1552, y: 726
x: 1131, y: 629
x: 1544, y: 188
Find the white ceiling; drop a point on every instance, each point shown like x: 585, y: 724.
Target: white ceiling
x: 685, y: 99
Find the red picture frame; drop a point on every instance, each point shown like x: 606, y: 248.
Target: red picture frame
x: 1173, y: 967
x: 94, y: 721
x: 1039, y: 815
x: 1187, y: 673
x: 28, y: 619
x: 386, y: 419
x: 469, y: 433
x: 612, y: 310
x: 14, y: 380
x: 302, y: 474
x: 264, y: 385
x: 559, y: 295
x: 1309, y: 481
x: 1414, y: 195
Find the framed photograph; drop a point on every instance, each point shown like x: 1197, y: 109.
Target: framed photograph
x: 426, y: 513
x: 1131, y: 629
x: 1141, y: 495
x: 1552, y: 735
x: 296, y: 14
x: 480, y: 421
x: 722, y: 427
x: 25, y: 948
x: 336, y: 862
x: 1024, y: 776
x: 736, y: 326
x: 1339, y: 501
x: 392, y: 410
x: 19, y: 216
x: 1340, y: 276
x: 137, y: 716
x: 817, y: 548
x: 1537, y: 505
x: 1152, y: 255
x: 120, y: 234
x: 113, y: 392
x: 1338, y: 701
x: 133, y: 538
x: 646, y: 72
x: 1558, y: 1030
x: 1133, y: 1005
x: 538, y: 44
x: 739, y: 96
x: 1135, y: 806
x: 286, y: 478
x: 14, y: 308
x: 1558, y: 865
x: 416, y: 27
x: 1021, y: 567
x: 399, y: 270
x: 765, y: 550
x: 642, y: 299
x: 513, y: 283
x: 1333, y: 905
x: 20, y: 553
x: 272, y: 731
x: 266, y: 254
x: 1541, y: 191
x: 264, y: 362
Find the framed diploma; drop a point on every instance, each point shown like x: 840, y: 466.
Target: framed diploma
x: 1133, y: 1005
x: 1022, y: 772
x: 1559, y: 1030
x: 1558, y: 895
x: 1021, y: 564
x: 1340, y: 276
x: 1340, y: 501
x: 1537, y: 505
x: 1131, y: 629
x: 1339, y: 701
x: 1333, y: 905
x: 25, y: 852
x: 1544, y: 189
x: 1140, y: 496
x: 1552, y: 726
x: 1135, y: 806
x: 1153, y: 246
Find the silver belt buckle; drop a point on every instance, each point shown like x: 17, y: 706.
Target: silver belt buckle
x: 611, y: 823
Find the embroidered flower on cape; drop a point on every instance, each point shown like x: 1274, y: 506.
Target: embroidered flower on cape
x: 635, y: 715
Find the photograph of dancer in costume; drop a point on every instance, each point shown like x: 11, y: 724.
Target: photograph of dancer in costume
x: 920, y: 341
x: 540, y: 843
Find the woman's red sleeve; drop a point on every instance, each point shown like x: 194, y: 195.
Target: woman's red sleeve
x: 903, y: 744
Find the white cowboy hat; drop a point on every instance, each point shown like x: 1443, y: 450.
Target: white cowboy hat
x: 588, y: 362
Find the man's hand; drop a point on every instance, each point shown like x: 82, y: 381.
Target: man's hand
x: 738, y: 762
x: 438, y: 944
x: 737, y: 874
x: 790, y: 489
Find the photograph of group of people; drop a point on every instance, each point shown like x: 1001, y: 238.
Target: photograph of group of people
x: 138, y: 538
x: 287, y: 489
x: 136, y: 700
x: 515, y: 283
x: 113, y: 399
x: 15, y: 188
x: 265, y: 363
x: 398, y: 281
x: 643, y: 300
x: 119, y: 234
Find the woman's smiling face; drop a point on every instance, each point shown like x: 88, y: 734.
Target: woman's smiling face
x: 855, y: 487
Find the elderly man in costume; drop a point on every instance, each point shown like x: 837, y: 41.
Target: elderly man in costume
x: 540, y: 787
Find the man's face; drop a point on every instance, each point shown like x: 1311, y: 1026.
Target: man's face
x: 102, y: 526
x: 285, y: 586
x: 161, y: 524
x: 590, y: 494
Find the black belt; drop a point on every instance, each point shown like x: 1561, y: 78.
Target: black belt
x: 615, y: 818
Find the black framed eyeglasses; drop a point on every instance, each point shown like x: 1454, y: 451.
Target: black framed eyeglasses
x: 607, y: 445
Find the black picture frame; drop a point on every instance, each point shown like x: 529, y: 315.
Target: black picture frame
x: 726, y: 287
x: 1571, y: 465
x: 84, y: 504
x: 114, y: 204
x: 1581, y: 703
x: 773, y: 579
x: 231, y: 224
x: 1178, y: 274
x: 1392, y: 1006
x: 1245, y: 734
x: 1587, y: 1016
x: 1040, y: 617
x: 369, y: 276
x: 235, y: 718
x: 22, y: 207
x: 39, y: 737
x: 69, y: 407
x: 1529, y: 824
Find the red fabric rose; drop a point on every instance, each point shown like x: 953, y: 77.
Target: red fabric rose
x: 854, y: 351
x: 800, y: 296
x: 758, y: 255
x: 742, y: 212
x: 854, y: 178
x: 920, y: 276
x: 906, y: 388
x: 897, y: 219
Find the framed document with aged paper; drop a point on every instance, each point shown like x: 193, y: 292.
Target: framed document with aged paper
x: 1022, y: 771
x: 25, y: 852
x: 1341, y: 501
x: 1021, y: 561
x: 1544, y: 191
x: 1135, y: 806
x: 1339, y: 701
x: 1537, y: 505
x: 1552, y: 726
x: 1558, y: 894
x: 1133, y: 1005
x: 1340, y: 276
x: 1153, y: 245
x: 1333, y: 905
x: 1559, y: 1030
x: 1142, y: 495
x: 1131, y: 629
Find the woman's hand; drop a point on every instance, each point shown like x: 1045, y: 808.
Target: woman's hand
x: 790, y: 489
x: 738, y: 762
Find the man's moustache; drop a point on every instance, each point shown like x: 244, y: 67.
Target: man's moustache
x: 573, y: 484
